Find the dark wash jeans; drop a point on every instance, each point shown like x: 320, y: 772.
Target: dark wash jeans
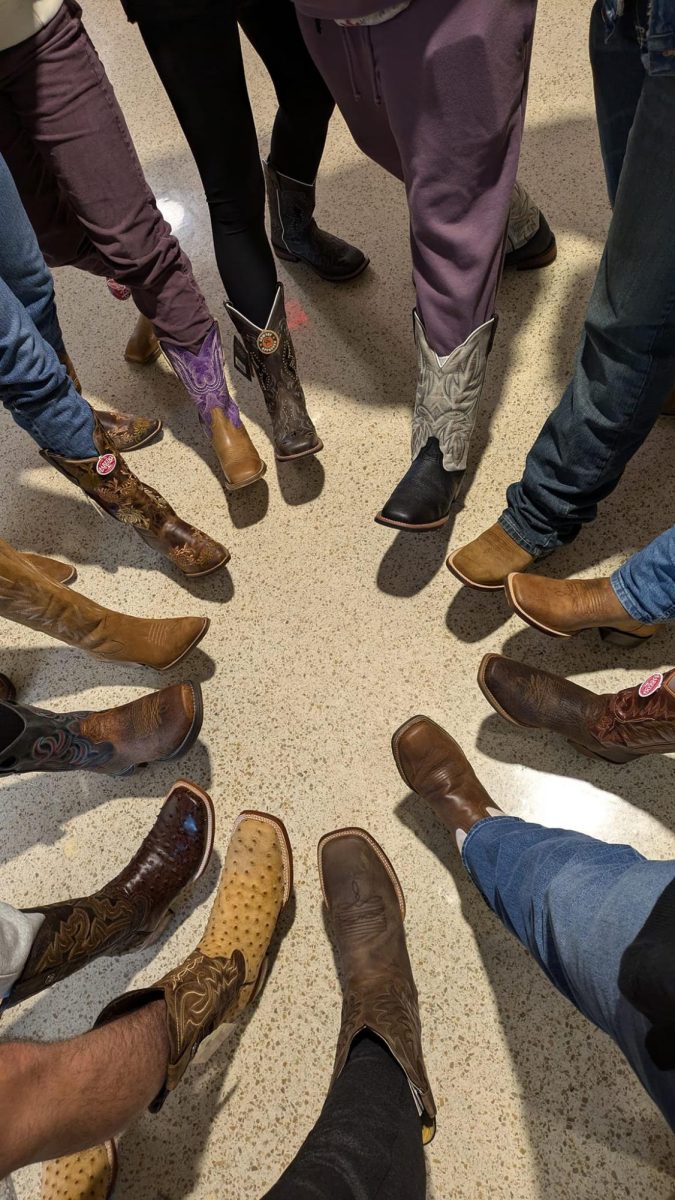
x: 625, y: 365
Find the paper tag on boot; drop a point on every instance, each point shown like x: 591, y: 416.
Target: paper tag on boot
x: 650, y: 685
x: 241, y: 359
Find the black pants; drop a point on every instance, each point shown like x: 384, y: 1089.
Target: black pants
x: 367, y: 1143
x: 199, y: 60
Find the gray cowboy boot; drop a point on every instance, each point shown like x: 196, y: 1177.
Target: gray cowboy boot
x: 530, y: 243
x: 270, y: 353
x: 296, y: 237
x: 448, y: 391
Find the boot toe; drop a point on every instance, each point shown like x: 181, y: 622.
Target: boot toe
x: 297, y: 445
x: 423, y: 498
x: 486, y: 562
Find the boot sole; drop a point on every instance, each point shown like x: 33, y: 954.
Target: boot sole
x: 237, y: 487
x: 209, y: 571
x: 302, y: 454
x: 380, y: 520
x: 617, y: 637
x: 288, y: 256
x: 356, y: 831
x: 479, y: 587
x: 195, y: 642
x: 286, y: 848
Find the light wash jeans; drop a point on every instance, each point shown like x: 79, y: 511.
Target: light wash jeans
x: 34, y: 386
x: 17, y: 934
x: 576, y: 904
x: 625, y: 365
x: 645, y: 584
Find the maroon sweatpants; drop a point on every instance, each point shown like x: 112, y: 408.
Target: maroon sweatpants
x: 437, y: 97
x: 66, y: 142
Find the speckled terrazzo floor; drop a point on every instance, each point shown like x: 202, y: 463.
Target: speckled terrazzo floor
x: 326, y: 633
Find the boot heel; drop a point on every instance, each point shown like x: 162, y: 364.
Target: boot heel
x: 618, y: 637
x: 285, y: 254
x: 612, y: 756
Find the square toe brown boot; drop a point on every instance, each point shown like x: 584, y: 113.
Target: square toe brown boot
x: 88, y: 1175
x: 367, y: 909
x: 565, y: 607
x: 486, y: 562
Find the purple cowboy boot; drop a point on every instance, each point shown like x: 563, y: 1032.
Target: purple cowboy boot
x: 203, y: 377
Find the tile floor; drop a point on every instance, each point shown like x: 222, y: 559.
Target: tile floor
x: 327, y: 633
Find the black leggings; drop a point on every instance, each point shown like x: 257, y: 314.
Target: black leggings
x: 199, y: 61
x: 367, y: 1143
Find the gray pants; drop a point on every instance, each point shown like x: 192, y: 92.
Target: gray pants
x: 17, y: 934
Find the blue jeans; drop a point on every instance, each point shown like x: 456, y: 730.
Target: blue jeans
x: 645, y: 584
x: 625, y: 365
x: 576, y: 904
x: 34, y: 386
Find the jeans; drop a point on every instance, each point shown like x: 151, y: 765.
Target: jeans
x: 17, y: 934
x: 625, y: 365
x: 34, y: 386
x: 367, y: 1143
x: 645, y: 584
x: 576, y: 904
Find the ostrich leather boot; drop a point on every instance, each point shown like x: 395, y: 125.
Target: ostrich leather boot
x: 270, y: 352
x: 107, y: 480
x: 31, y: 598
x: 132, y: 910
x: 296, y: 237
x: 87, y: 1175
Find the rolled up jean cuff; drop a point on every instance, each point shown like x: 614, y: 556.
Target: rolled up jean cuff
x: 537, y: 548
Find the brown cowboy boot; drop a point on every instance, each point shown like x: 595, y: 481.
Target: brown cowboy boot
x: 367, y: 909
x: 131, y: 911
x: 88, y: 1175
x: 616, y: 726
x: 143, y: 346
x: 563, y: 607
x: 226, y: 970
x: 51, y: 567
x: 108, y: 481
x: 159, y: 727
x: 7, y: 689
x: 486, y: 562
x: 31, y: 598
x: 270, y: 352
x: 127, y: 432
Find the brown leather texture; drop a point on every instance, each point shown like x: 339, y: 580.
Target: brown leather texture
x: 143, y: 346
x: 51, y: 567
x: 436, y: 768
x: 162, y: 725
x: 7, y: 689
x: 642, y: 724
x: 123, y: 496
x: 68, y: 363
x: 239, y: 460
x: 366, y: 908
x: 489, y: 559
x: 277, y: 372
x: 126, y: 431
x: 133, y: 907
x: 568, y: 606
x: 88, y: 1175
x: 30, y: 598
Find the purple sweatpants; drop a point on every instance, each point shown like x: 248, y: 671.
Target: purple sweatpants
x: 68, y: 147
x: 437, y: 97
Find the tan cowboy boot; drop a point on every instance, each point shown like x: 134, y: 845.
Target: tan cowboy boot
x: 486, y: 562
x: 564, y: 607
x: 88, y: 1175
x: 30, y: 598
x: 223, y: 974
x: 125, y: 430
x: 143, y: 347
x: 51, y: 567
x: 107, y: 480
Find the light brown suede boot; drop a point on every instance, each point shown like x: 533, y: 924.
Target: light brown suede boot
x: 51, y: 567
x: 31, y: 598
x: 88, y: 1175
x: 485, y: 563
x: 143, y: 346
x: 563, y: 607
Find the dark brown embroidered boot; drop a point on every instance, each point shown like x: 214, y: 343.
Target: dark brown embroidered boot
x: 108, y: 481
x: 227, y: 969
x: 270, y: 352
x: 134, y: 908
x: 616, y: 726
x: 367, y: 909
x: 159, y: 727
x: 127, y: 432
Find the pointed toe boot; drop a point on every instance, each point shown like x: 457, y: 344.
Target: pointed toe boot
x: 530, y: 243
x: 270, y: 353
x: 486, y: 563
x: 446, y: 406
x: 565, y: 607
x: 296, y: 237
x: 31, y: 598
x: 87, y: 1175
x: 203, y: 377
x: 51, y: 567
x: 107, y: 480
x: 618, y: 727
x: 131, y: 911
x: 159, y: 727
x: 227, y: 968
x: 143, y: 347
x: 366, y: 906
x: 127, y: 432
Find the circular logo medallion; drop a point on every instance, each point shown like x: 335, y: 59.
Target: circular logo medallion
x: 650, y: 685
x: 268, y: 341
x: 106, y: 464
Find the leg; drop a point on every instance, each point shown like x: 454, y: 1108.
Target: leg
x: 645, y: 584
x: 366, y: 1143
x: 618, y: 76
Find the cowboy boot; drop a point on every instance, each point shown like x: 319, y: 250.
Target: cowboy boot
x: 226, y: 970
x: 203, y: 378
x: 446, y: 404
x: 51, y: 567
x: 487, y: 561
x: 7, y: 689
x: 134, y: 909
x: 159, y: 727
x: 125, y: 430
x: 88, y: 1175
x: 296, y: 237
x: 270, y: 352
x: 564, y: 607
x: 616, y: 726
x: 366, y: 905
x: 530, y: 244
x: 143, y: 346
x: 33, y: 599
x: 107, y: 481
